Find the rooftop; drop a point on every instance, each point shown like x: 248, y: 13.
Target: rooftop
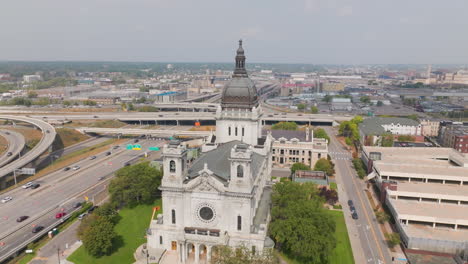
x: 431, y: 212
x: 374, y: 125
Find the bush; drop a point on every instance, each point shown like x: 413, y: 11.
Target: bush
x: 284, y: 126
x: 360, y: 168
x: 299, y: 166
x: 393, y: 239
x: 348, y: 141
x: 337, y: 207
x: 325, y: 165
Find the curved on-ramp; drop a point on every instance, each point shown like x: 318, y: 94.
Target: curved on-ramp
x: 48, y: 137
x: 16, y: 144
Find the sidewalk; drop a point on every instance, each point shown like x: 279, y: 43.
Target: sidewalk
x: 66, y: 242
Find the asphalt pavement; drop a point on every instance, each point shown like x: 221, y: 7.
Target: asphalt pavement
x: 58, y: 192
x: 370, y: 238
x: 16, y: 144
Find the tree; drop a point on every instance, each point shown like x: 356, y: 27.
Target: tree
x: 32, y: 94
x: 301, y: 107
x: 387, y: 140
x: 284, y: 126
x: 413, y: 117
x: 393, y: 239
x: 314, y: 109
x: 381, y: 216
x: 324, y: 165
x: 66, y: 103
x: 379, y: 103
x: 241, y: 255
x: 331, y: 196
x: 320, y: 133
x: 98, y: 235
x: 135, y: 184
x: 299, y: 166
x: 300, y: 225
x: 364, y: 99
x: 108, y: 211
x: 89, y: 102
x: 348, y: 141
x: 406, y: 138
x: 327, y: 98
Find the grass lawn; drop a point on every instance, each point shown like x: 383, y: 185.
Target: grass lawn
x: 132, y: 229
x: 342, y: 254
x: 333, y: 186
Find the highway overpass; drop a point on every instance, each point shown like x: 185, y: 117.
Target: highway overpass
x: 16, y: 144
x: 149, y: 132
x: 211, y: 107
x: 48, y: 137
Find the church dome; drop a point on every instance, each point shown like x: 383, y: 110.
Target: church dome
x: 240, y: 92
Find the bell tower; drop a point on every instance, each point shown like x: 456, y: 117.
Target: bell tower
x: 174, y: 164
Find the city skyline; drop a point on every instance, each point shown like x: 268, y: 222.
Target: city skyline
x: 309, y: 32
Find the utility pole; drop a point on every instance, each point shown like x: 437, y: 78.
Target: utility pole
x: 58, y: 254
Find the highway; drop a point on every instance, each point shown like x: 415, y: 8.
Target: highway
x: 140, y: 131
x: 372, y: 241
x: 60, y: 189
x: 48, y: 137
x: 16, y: 144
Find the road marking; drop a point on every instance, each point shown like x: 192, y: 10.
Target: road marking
x: 364, y: 207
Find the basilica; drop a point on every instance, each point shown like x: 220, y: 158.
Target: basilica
x: 223, y: 197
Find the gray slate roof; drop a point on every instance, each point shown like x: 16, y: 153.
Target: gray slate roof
x: 288, y: 134
x: 373, y: 126
x: 218, y: 161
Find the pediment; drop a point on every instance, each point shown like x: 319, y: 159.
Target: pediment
x: 205, y: 183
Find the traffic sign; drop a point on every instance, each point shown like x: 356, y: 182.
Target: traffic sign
x: 28, y: 171
x: 154, y: 148
x: 129, y: 146
x: 136, y: 147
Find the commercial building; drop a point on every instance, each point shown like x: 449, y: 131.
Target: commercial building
x: 169, y: 97
x: 426, y: 191
x: 371, y: 129
x: 455, y: 136
x: 31, y: 78
x: 430, y: 128
x: 332, y: 86
x: 290, y: 147
x: 341, y: 104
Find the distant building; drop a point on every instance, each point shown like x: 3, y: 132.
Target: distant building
x: 105, y: 99
x: 290, y: 147
x: 455, y: 136
x: 169, y: 97
x: 341, y: 104
x: 430, y: 128
x: 31, y: 78
x: 332, y: 86
x: 377, y: 126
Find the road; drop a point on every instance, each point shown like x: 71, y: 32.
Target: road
x: 58, y: 190
x: 48, y: 137
x: 371, y: 238
x: 16, y: 144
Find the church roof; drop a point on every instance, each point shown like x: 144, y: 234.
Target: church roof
x: 240, y: 91
x: 218, y: 161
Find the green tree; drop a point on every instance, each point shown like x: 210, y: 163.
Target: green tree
x: 413, y: 117
x: 299, y: 166
x: 241, y: 255
x: 97, y: 236
x: 135, y: 184
x: 66, y: 103
x: 320, y: 133
x: 108, y: 211
x: 314, y: 109
x: 324, y: 165
x: 348, y: 141
x: 364, y: 99
x: 327, y: 98
x: 393, y: 239
x: 379, y: 103
x: 89, y: 102
x: 406, y: 138
x: 382, y: 216
x: 32, y: 94
x: 301, y: 107
x: 285, y: 126
x: 299, y: 224
x: 386, y: 140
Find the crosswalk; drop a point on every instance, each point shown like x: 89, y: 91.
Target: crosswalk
x: 340, y: 155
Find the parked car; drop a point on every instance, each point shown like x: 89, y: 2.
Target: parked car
x: 76, y: 205
x: 37, y: 229
x: 60, y: 215
x: 22, y: 218
x: 35, y: 186
x: 66, y: 169
x: 81, y: 216
x: 92, y: 157
x: 76, y: 167
x: 350, y: 203
x: 7, y: 199
x: 90, y: 210
x: 6, y: 132
x: 101, y: 178
x: 27, y: 185
x: 126, y: 164
x: 355, y: 216
x: 352, y: 208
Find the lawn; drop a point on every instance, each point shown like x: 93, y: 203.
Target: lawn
x: 342, y: 254
x: 131, y: 227
x: 333, y: 186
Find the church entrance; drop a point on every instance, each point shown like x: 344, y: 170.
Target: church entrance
x: 174, y: 245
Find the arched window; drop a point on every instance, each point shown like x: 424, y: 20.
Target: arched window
x: 243, y: 130
x: 239, y: 223
x: 172, y: 167
x: 173, y: 217
x: 229, y: 131
x: 240, y: 171
x: 235, y: 131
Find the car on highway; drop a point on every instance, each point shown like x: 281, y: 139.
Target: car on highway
x: 354, y: 216
x: 9, y: 153
x: 22, y: 218
x: 60, y: 215
x: 76, y: 205
x: 76, y: 167
x: 27, y: 185
x: 81, y: 216
x: 136, y: 141
x: 101, y: 178
x: 6, y: 132
x: 95, y: 116
x: 37, y: 229
x: 115, y: 147
x: 7, y: 199
x: 35, y: 186
x: 66, y: 169
x: 92, y: 157
x: 108, y: 153
x: 127, y: 164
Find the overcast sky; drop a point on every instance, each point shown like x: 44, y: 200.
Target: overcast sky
x: 285, y: 31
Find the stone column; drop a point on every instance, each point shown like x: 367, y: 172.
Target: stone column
x: 197, y: 253
x: 208, y: 254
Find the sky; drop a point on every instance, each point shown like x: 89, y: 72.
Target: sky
x: 274, y: 31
